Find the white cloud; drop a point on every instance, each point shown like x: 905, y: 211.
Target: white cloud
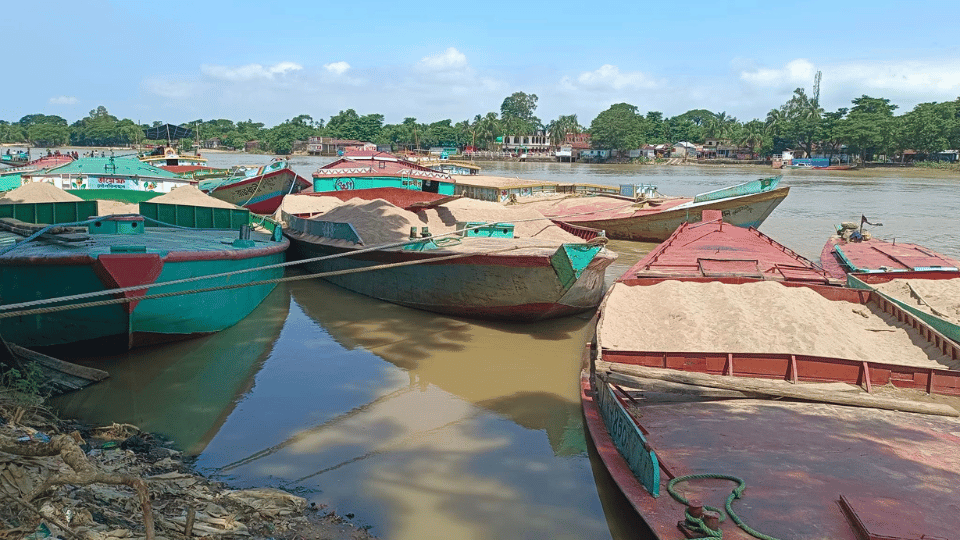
x: 338, y: 68
x: 449, y: 60
x: 63, y: 100
x: 249, y: 72
x: 904, y: 82
x: 799, y: 71
x: 609, y: 77
x: 169, y: 89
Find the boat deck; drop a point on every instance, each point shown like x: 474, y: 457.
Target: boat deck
x: 165, y: 241
x: 896, y: 471
x: 881, y: 256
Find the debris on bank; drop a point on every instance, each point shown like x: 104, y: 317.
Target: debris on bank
x: 72, y: 482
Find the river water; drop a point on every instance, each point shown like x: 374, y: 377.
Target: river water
x: 423, y: 426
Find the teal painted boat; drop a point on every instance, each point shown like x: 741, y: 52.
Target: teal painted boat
x: 116, y: 178
x: 919, y: 280
x: 126, y: 251
x: 371, y: 170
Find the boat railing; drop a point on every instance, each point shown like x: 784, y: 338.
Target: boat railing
x: 587, y: 233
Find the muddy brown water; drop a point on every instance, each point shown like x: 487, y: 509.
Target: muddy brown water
x: 423, y: 426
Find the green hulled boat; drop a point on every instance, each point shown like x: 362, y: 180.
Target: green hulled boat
x: 124, y: 251
x: 121, y: 178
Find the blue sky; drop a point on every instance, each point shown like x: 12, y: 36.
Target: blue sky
x: 270, y: 61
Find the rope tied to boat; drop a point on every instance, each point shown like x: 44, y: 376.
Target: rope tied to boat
x: 697, y: 524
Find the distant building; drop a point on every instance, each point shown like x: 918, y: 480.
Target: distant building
x: 539, y: 142
x: 251, y: 146
x: 211, y: 143
x: 329, y: 146
x: 684, y: 149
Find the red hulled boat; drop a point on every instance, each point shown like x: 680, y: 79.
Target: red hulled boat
x: 917, y: 278
x: 723, y: 361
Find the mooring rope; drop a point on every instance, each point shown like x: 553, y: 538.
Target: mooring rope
x: 697, y: 524
x: 125, y: 300
x: 120, y: 290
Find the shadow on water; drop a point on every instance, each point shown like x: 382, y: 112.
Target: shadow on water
x: 420, y: 424
x: 183, y: 390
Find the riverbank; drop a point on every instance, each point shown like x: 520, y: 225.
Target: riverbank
x: 68, y: 480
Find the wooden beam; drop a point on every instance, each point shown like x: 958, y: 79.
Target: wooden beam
x: 779, y: 389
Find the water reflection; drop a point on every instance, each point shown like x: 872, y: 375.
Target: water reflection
x: 183, y: 390
x: 420, y: 424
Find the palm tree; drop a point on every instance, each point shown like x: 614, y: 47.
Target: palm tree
x: 752, y: 135
x: 559, y: 128
x: 776, y: 119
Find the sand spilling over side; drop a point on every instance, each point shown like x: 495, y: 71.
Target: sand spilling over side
x: 110, y: 208
x: 37, y: 192
x: 675, y: 316
x: 380, y: 222
x: 940, y: 297
x: 308, y: 204
x: 191, y: 196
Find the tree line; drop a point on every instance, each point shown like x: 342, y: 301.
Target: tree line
x: 869, y: 128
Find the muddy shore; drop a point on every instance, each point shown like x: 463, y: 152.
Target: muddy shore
x: 63, y: 479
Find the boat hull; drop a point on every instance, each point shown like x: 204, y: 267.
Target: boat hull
x: 743, y: 211
x: 261, y: 194
x: 142, y: 323
x: 492, y: 286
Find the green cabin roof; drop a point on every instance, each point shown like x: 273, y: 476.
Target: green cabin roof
x: 112, y: 166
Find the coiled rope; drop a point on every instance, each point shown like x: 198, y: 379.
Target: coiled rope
x: 696, y: 524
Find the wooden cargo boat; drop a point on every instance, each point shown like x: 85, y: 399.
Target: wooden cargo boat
x: 116, y: 178
x: 434, y: 261
x: 649, y: 217
x: 259, y: 189
x: 918, y: 279
x: 732, y: 383
x: 118, y: 252
x: 56, y: 376
x: 369, y: 169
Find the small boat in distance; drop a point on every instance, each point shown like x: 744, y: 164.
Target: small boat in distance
x: 641, y: 213
x: 454, y: 256
x: 758, y: 377
x: 15, y: 159
x: 917, y: 278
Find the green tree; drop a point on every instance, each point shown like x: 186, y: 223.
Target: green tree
x: 682, y: 128
x: 620, y: 127
x: 869, y: 127
x: 279, y: 139
x: 48, y: 134
x: 516, y: 114
x: 753, y: 136
x: 928, y: 127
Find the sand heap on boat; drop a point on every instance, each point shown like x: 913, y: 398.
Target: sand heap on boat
x: 191, y: 196
x: 675, y: 316
x: 380, y: 222
x: 44, y: 192
x: 939, y: 297
x: 38, y: 192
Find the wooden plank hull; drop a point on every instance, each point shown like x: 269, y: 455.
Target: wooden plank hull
x: 657, y: 226
x: 261, y: 194
x: 493, y: 286
x: 33, y: 273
